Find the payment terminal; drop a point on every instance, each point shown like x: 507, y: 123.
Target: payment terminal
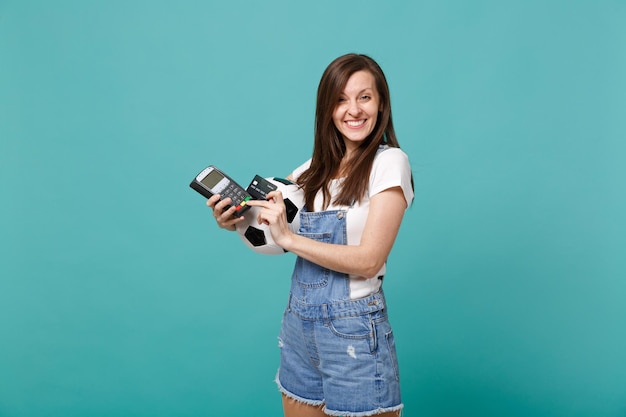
x: 212, y: 181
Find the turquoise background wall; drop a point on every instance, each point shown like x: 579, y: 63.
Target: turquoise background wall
x: 119, y: 296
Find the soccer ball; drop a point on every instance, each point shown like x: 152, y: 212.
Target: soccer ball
x: 257, y: 236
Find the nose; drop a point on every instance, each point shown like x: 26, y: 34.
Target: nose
x: 354, y: 109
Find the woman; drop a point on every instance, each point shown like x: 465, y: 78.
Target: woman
x: 337, y: 348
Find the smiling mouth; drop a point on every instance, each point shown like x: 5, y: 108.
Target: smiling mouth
x: 355, y: 123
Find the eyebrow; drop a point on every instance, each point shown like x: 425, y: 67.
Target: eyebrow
x: 360, y: 92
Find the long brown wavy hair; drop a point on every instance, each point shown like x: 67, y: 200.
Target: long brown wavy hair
x: 329, y: 147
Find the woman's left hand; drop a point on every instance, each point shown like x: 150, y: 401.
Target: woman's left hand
x: 274, y: 213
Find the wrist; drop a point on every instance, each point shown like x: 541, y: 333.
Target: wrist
x: 286, y: 241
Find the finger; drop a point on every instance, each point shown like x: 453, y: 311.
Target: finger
x: 230, y: 224
x: 221, y: 206
x: 276, y: 196
x: 227, y: 221
x: 213, y: 200
x: 234, y: 220
x: 260, y: 219
x: 258, y: 203
x: 227, y: 214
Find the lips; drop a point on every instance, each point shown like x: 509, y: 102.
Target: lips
x: 355, y: 123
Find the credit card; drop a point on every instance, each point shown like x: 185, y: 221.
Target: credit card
x: 260, y: 187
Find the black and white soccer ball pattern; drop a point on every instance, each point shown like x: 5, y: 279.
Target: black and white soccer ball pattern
x: 257, y: 236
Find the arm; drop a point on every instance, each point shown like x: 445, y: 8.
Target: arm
x: 365, y: 259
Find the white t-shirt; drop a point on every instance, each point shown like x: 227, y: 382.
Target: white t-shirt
x: 391, y: 168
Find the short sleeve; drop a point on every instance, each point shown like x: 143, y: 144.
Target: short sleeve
x: 298, y: 171
x: 391, y: 168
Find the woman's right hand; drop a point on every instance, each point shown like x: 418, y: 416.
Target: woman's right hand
x: 223, y: 217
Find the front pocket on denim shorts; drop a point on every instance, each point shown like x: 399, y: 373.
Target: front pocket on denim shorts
x: 309, y: 274
x: 355, y: 328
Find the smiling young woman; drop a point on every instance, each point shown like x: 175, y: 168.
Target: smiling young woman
x: 337, y: 350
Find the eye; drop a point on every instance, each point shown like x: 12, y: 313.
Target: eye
x: 365, y: 97
x: 341, y: 99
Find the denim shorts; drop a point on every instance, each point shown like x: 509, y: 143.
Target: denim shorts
x: 341, y: 359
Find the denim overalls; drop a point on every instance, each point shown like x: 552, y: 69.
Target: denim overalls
x: 336, y: 351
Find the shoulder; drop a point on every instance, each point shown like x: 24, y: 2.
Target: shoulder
x: 388, y: 155
x: 391, y: 168
x: 298, y: 171
x: 391, y: 158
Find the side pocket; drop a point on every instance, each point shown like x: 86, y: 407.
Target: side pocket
x: 391, y: 345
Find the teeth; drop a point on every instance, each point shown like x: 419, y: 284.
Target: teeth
x: 355, y: 123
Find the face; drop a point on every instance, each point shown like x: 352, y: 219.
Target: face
x: 357, y: 109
